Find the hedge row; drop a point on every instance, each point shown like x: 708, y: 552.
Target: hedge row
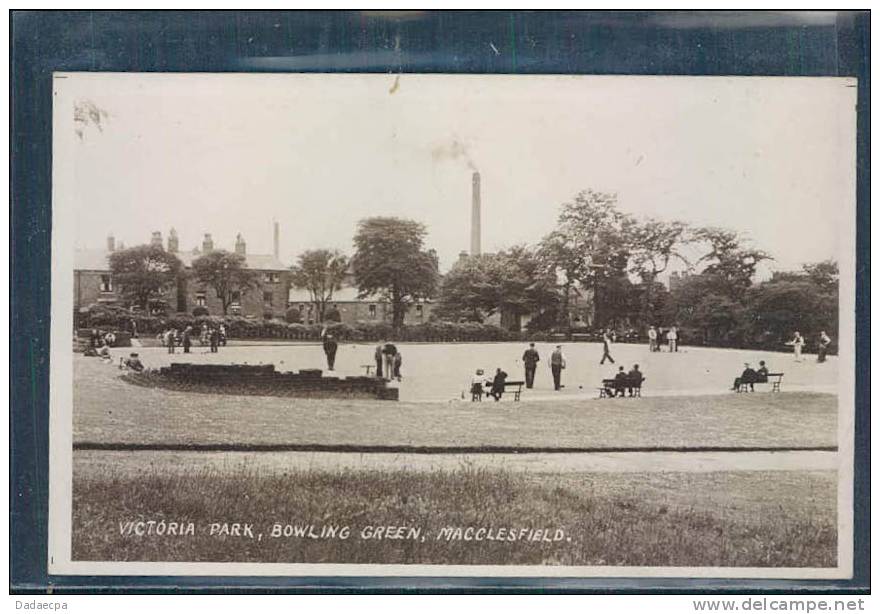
x: 238, y: 327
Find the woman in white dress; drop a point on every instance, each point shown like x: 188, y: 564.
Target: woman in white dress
x: 798, y: 344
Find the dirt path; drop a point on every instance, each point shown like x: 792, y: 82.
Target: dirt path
x: 610, y: 462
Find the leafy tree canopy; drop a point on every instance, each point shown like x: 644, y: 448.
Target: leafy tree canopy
x: 226, y: 273
x: 390, y: 260
x: 144, y: 273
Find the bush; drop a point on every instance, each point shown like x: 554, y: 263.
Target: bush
x: 200, y: 311
x: 293, y: 316
x: 333, y: 315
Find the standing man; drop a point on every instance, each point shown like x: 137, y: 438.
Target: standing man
x: 530, y: 360
x: 672, y: 337
x: 330, y: 347
x: 606, y: 348
x: 187, y: 339
x: 169, y: 340
x: 557, y: 364
x: 652, y: 339
x: 214, y: 336
x: 377, y: 355
x: 824, y: 343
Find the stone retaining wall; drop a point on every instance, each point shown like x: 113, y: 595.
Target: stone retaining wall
x: 262, y: 380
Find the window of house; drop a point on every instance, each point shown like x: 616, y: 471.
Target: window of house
x: 236, y: 296
x: 200, y: 300
x: 106, y: 283
x: 419, y: 310
x: 302, y: 306
x: 372, y: 311
x: 267, y: 298
x: 271, y: 278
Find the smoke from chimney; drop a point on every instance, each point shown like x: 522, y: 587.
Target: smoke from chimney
x: 475, y: 215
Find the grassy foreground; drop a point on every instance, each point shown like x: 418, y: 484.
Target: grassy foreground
x: 755, y: 519
x: 109, y: 411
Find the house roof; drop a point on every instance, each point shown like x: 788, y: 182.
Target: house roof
x: 96, y: 260
x: 346, y: 294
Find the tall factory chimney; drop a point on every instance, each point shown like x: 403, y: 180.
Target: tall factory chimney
x: 275, y: 238
x: 475, y: 216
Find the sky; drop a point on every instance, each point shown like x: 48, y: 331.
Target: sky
x: 773, y: 158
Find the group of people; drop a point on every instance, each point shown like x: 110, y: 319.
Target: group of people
x: 388, y: 361
x: 386, y: 355
x: 657, y: 337
x: 822, y: 346
x: 214, y: 336
x: 624, y: 381
x: 496, y: 386
x: 531, y: 358
x: 749, y: 377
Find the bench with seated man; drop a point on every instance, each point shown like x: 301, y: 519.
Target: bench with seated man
x: 749, y: 377
x: 495, y: 387
x: 622, y: 383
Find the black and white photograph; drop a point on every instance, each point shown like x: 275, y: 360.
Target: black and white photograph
x: 458, y: 325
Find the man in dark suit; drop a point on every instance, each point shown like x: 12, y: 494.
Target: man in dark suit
x: 330, y: 347
x: 634, y: 379
x: 498, y: 384
x: 620, y: 382
x: 749, y: 377
x: 530, y: 360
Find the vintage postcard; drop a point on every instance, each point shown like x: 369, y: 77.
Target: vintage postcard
x: 437, y: 325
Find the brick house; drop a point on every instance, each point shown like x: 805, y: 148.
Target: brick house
x: 353, y: 309
x: 93, y: 280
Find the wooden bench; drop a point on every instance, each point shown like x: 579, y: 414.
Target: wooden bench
x: 774, y: 379
x: 613, y: 384
x: 487, y: 387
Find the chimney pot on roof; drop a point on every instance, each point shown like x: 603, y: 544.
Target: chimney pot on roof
x: 156, y: 239
x: 111, y: 243
x: 240, y: 246
x: 173, y: 243
x: 207, y: 243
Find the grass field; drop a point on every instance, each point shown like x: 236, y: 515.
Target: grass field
x: 755, y: 519
x: 108, y: 410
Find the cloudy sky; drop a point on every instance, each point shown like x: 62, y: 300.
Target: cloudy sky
x: 773, y: 158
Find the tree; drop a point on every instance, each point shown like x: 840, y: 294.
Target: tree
x: 321, y: 272
x: 701, y: 303
x: 144, y: 273
x: 226, y: 273
x: 462, y: 294
x: 654, y: 245
x: 806, y: 301
x: 589, y: 247
x: 390, y: 260
x: 513, y: 282
x: 727, y: 259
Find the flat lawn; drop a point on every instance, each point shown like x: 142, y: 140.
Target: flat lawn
x: 755, y: 519
x: 109, y: 410
x: 441, y: 371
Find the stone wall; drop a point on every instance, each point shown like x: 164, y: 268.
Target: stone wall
x: 262, y: 380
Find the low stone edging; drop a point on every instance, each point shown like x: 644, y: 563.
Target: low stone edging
x: 261, y: 380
